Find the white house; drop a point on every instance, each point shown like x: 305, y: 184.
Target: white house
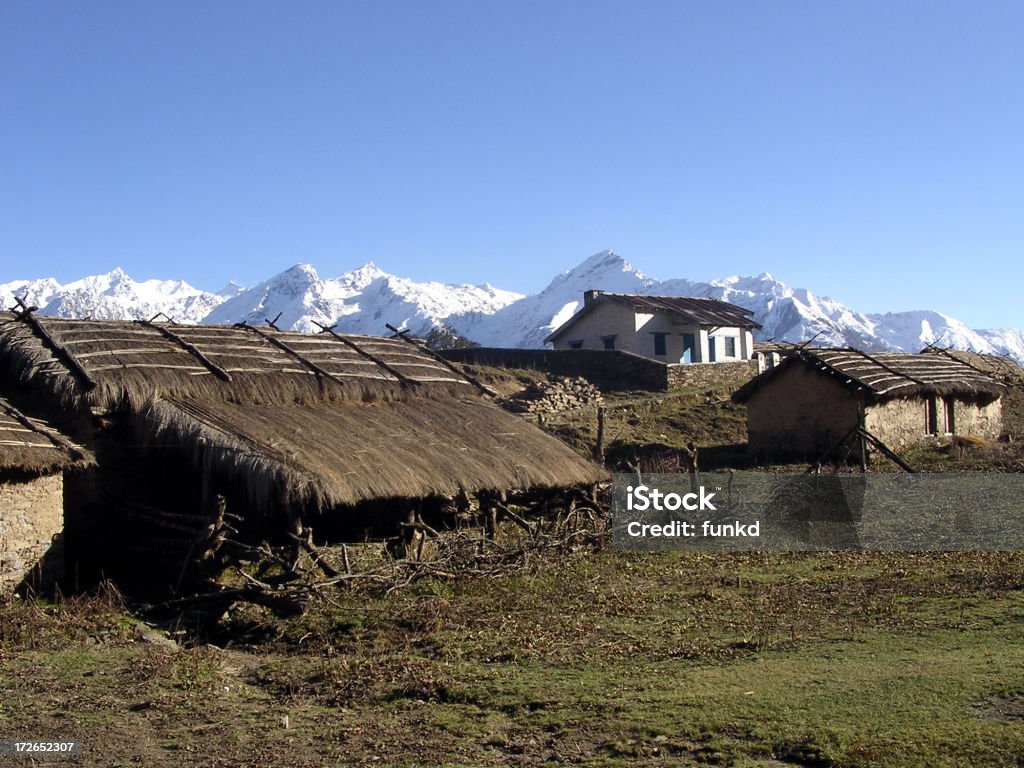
x: 673, y: 329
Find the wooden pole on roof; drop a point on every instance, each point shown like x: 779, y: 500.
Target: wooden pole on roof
x: 291, y: 352
x: 192, y: 349
x: 351, y: 344
x: 63, y: 353
x: 423, y: 347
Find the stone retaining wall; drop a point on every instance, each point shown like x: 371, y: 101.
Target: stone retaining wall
x: 611, y: 369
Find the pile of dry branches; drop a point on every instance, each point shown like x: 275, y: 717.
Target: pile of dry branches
x: 223, y: 570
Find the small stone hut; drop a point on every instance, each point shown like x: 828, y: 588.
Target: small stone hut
x: 816, y: 397
x: 33, y: 459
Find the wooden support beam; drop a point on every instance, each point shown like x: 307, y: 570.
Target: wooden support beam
x: 885, y: 450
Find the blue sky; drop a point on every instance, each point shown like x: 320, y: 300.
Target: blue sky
x: 868, y: 151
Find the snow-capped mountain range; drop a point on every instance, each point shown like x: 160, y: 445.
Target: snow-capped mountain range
x: 363, y: 300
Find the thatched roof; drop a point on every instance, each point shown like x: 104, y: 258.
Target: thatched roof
x: 107, y: 361
x: 33, y: 447
x: 319, y: 418
x: 690, y: 309
x: 1000, y: 366
x: 886, y: 375
x: 331, y: 454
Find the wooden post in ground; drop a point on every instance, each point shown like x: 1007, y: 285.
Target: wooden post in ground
x: 599, y: 445
x: 861, y: 441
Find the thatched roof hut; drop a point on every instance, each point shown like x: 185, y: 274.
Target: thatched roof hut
x: 816, y: 398
x: 325, y: 419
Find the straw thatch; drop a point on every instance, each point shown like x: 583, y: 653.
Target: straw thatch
x: 322, y: 418
x: 108, y: 362
x: 999, y: 366
x: 32, y: 447
x: 330, y: 455
x: 887, y: 375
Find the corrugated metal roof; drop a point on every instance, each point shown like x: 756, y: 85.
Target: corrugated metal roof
x: 702, y: 311
x: 692, y: 309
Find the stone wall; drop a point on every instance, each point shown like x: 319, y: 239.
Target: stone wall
x: 608, y: 369
x: 979, y: 420
x: 611, y: 369
x: 729, y: 376
x: 900, y: 423
x: 31, y: 521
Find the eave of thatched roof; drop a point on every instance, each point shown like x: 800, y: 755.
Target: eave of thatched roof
x: 33, y: 447
x: 886, y: 376
x: 331, y: 454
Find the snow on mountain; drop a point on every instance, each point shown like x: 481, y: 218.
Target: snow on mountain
x: 1006, y: 341
x: 365, y: 299
x: 526, y: 322
x: 786, y: 314
x: 35, y: 293
x: 912, y: 331
x: 296, y: 298
x: 113, y: 295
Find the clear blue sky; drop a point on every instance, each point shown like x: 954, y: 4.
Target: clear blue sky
x: 871, y: 151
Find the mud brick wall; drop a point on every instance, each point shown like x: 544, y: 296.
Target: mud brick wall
x: 31, y: 516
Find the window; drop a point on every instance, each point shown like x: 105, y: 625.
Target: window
x: 712, y: 349
x: 660, y: 347
x: 730, y: 346
x: 577, y: 344
x: 608, y: 341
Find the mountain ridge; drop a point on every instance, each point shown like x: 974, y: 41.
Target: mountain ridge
x: 362, y: 300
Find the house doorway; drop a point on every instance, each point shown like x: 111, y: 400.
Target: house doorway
x: 689, y: 343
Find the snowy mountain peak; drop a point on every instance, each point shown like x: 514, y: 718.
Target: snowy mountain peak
x: 231, y: 289
x: 113, y: 295
x: 360, y: 277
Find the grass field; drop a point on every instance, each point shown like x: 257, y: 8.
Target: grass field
x: 600, y: 658
x: 596, y: 658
